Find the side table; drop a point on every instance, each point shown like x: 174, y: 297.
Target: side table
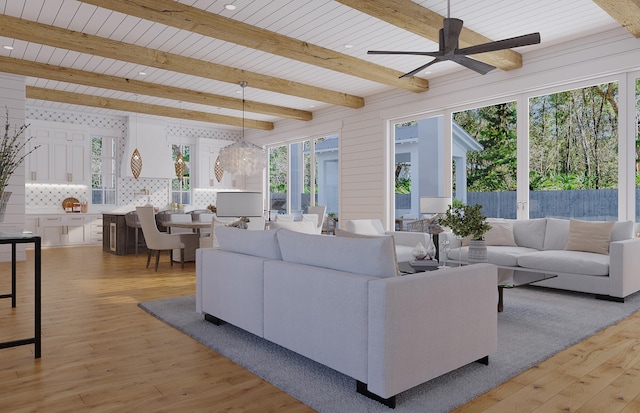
x: 14, y: 238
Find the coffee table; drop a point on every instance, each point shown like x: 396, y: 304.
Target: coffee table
x: 508, y: 277
x: 511, y: 277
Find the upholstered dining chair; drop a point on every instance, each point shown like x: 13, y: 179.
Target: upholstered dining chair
x: 313, y: 219
x: 158, y: 241
x: 285, y: 217
x: 321, y: 211
x: 132, y: 221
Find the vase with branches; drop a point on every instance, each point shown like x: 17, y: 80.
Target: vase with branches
x: 12, y: 154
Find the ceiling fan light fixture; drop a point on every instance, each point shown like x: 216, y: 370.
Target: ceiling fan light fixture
x: 448, y: 50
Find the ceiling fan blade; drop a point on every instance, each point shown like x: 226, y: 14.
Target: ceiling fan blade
x: 525, y: 40
x: 432, y: 54
x: 472, y: 64
x: 413, y: 72
x: 452, y: 28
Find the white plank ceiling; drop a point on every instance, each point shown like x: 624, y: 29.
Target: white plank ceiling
x: 323, y: 23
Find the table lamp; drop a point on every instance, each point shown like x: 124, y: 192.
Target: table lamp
x: 436, y: 206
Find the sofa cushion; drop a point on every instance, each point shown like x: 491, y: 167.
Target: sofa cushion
x: 623, y: 230
x: 589, y: 236
x: 259, y: 243
x: 530, y: 233
x: 497, y: 255
x: 572, y: 262
x: 557, y: 234
x: 374, y: 256
x: 501, y: 233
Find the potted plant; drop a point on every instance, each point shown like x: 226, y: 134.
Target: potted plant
x: 11, y: 156
x: 467, y: 221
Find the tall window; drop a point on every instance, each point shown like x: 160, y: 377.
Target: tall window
x: 573, y: 151
x: 278, y: 179
x: 103, y: 170
x: 302, y: 174
x: 491, y: 170
x: 181, y: 188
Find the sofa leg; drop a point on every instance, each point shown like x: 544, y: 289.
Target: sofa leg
x: 213, y: 320
x: 362, y: 389
x: 609, y: 298
x: 484, y: 360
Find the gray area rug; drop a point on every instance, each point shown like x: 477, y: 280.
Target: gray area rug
x: 536, y: 324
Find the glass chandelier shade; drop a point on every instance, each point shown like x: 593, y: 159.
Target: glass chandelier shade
x: 243, y: 158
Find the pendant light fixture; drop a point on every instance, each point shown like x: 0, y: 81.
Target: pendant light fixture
x: 243, y: 158
x: 180, y: 165
x: 136, y: 158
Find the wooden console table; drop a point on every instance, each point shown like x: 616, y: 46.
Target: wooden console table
x: 14, y: 238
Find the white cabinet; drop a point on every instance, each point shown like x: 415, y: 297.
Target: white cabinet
x: 93, y: 230
x: 37, y: 163
x: 63, y: 155
x: 73, y: 230
x: 207, y: 151
x: 66, y: 229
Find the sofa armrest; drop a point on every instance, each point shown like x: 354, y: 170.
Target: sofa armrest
x: 624, y: 261
x: 409, y: 239
x: 426, y: 324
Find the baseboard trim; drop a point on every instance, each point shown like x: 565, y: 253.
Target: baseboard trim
x: 362, y: 389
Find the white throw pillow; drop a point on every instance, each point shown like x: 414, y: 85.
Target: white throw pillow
x: 500, y: 234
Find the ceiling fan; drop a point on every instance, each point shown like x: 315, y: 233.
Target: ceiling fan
x: 449, y: 35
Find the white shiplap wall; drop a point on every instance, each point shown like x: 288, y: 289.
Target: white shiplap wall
x: 364, y: 146
x: 12, y: 97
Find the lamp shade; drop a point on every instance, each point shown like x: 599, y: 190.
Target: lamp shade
x: 243, y: 158
x: 434, y: 205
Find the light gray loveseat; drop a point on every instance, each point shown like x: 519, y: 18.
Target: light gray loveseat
x: 339, y: 301
x: 540, y: 246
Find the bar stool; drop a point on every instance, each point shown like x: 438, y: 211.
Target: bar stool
x: 132, y: 221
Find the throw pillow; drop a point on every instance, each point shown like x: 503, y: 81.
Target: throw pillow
x: 589, y: 236
x: 501, y: 233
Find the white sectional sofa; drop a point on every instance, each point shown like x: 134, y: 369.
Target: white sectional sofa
x: 405, y: 241
x: 339, y: 301
x: 582, y: 254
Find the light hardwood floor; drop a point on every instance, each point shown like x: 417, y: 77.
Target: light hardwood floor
x: 102, y: 353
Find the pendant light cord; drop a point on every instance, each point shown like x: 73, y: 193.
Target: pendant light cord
x: 243, y: 84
